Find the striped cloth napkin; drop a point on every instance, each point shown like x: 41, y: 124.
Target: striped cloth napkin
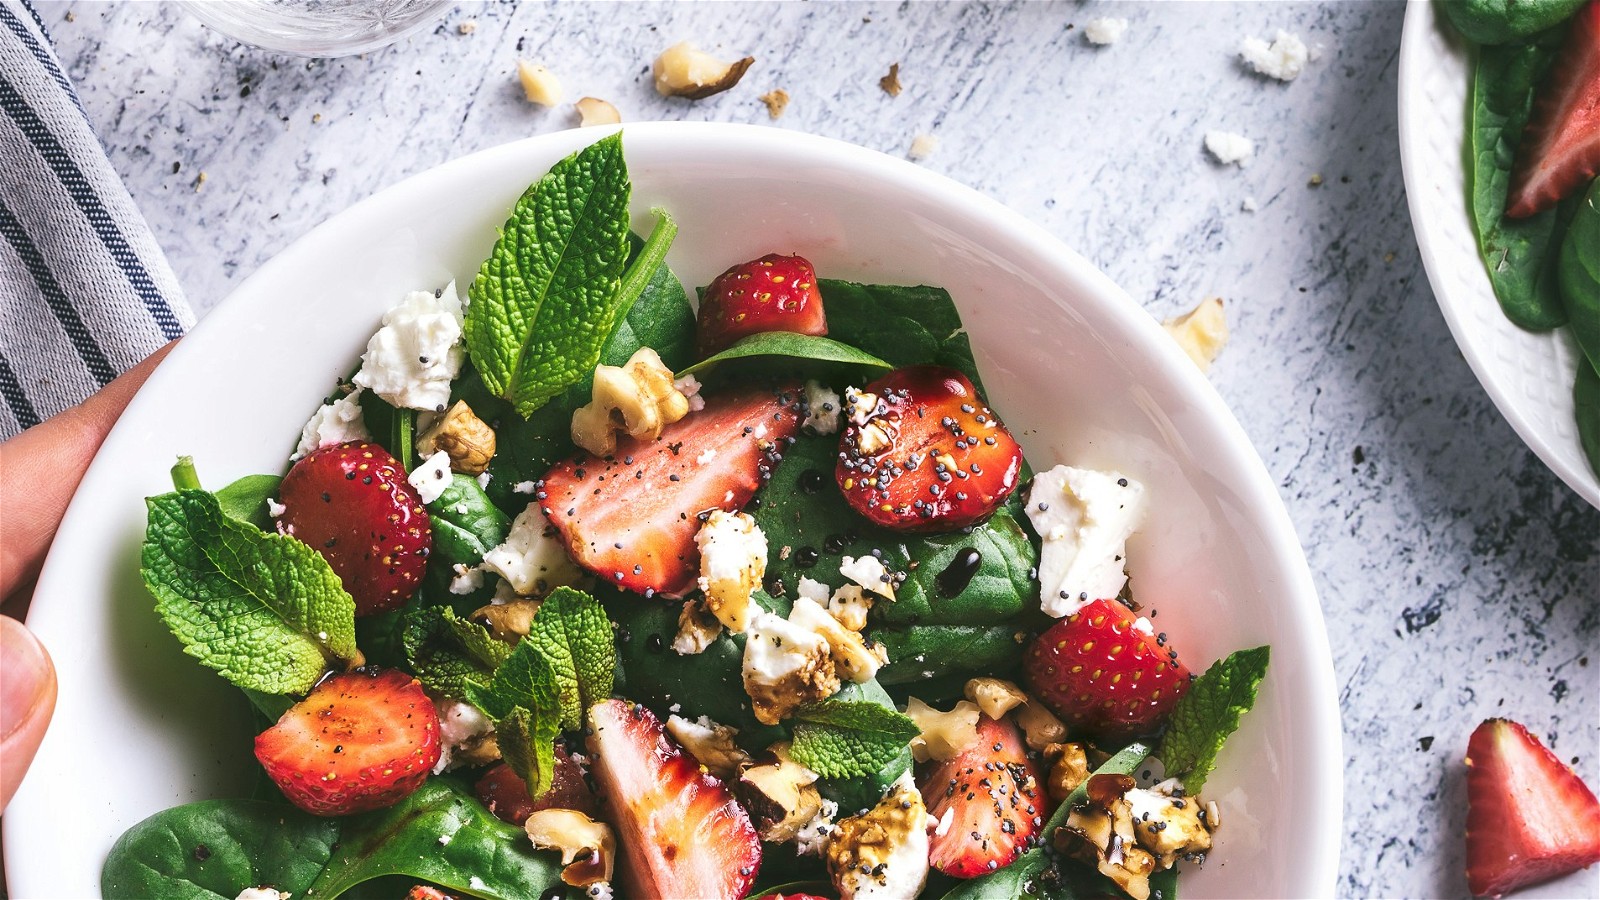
x: 84, y: 291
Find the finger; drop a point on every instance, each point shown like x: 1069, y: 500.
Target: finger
x: 27, y: 700
x: 40, y: 469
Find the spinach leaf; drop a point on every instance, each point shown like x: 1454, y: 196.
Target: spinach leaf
x: 264, y: 610
x: 1210, y: 712
x: 1580, y: 273
x: 246, y: 499
x: 1586, y: 396
x: 790, y: 344
x: 1520, y: 253
x: 449, y: 654
x: 546, y: 299
x: 919, y: 653
x: 802, y: 509
x: 903, y: 325
x: 439, y: 834
x: 466, y: 525
x: 1506, y: 21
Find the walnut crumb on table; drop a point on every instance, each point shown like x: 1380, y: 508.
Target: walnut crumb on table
x: 777, y: 100
x: 922, y: 147
x: 891, y: 82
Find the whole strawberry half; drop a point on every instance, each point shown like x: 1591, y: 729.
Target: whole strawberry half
x: 773, y: 293
x: 1560, y: 149
x: 505, y: 794
x: 986, y: 803
x: 1103, y: 676
x: 361, y: 740
x: 923, y: 453
x: 680, y: 831
x: 631, y: 518
x: 1529, y: 817
x: 353, y: 504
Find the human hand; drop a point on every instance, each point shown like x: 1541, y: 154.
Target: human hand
x: 39, y: 472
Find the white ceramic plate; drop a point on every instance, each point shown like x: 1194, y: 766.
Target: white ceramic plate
x: 1528, y: 376
x: 1076, y: 367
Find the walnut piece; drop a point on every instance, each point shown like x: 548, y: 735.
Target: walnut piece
x: 1100, y: 832
x: 637, y: 399
x: 995, y: 696
x: 944, y: 734
x: 684, y: 71
x: 594, y: 111
x: 781, y: 795
x: 1040, y: 727
x: 588, y: 849
x: 539, y: 84
x: 1202, y: 332
x: 710, y: 743
x: 462, y: 436
x: 891, y: 82
x: 508, y: 622
x: 1070, y: 769
x: 777, y: 100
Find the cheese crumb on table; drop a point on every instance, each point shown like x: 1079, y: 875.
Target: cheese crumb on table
x: 1229, y: 148
x: 1283, y: 59
x: 1104, y: 31
x: 922, y: 146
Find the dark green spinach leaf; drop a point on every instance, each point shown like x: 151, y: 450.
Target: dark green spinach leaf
x: 792, y: 345
x: 1580, y: 273
x: 1586, y: 396
x: 1506, y: 21
x: 919, y: 653
x: 905, y: 325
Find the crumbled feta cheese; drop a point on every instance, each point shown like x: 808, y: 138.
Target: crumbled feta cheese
x: 1283, y: 59
x: 813, y: 836
x: 600, y: 890
x: 262, y: 893
x: 922, y: 147
x: 483, y: 480
x: 850, y: 606
x: 466, y: 579
x: 1105, y: 30
x: 444, y: 839
x: 861, y: 405
x: 943, y: 828
x: 786, y: 666
x: 697, y: 628
x: 432, y: 477
x: 882, y: 853
x: 852, y: 657
x: 1084, y: 518
x: 460, y: 724
x: 275, y: 509
x: 710, y: 743
x: 1229, y: 148
x: 524, y: 487
x: 333, y: 423
x: 1144, y: 626
x: 822, y: 408
x: 532, y: 560
x: 733, y: 559
x: 412, y: 359
x: 810, y: 587
x: 1248, y: 204
x: 477, y: 884
x: 868, y: 571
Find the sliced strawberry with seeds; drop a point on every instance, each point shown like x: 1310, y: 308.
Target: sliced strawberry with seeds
x: 353, y: 504
x: 631, y: 518
x: 505, y: 794
x: 987, y: 803
x: 773, y: 293
x: 1104, y: 675
x: 1529, y: 817
x: 1560, y: 149
x: 361, y: 740
x: 680, y: 831
x: 923, y: 453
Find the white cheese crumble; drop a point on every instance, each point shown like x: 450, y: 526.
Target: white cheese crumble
x: 851, y: 656
x: 1084, y: 518
x: 483, y: 480
x: 822, y: 408
x: 466, y: 580
x: 1284, y: 59
x: 1229, y: 148
x: 733, y: 559
x: 1248, y: 204
x: 922, y: 147
x: 275, y: 509
x: 868, y: 571
x: 412, y: 359
x: 689, y: 387
x: 898, y: 855
x: 262, y: 893
x: 532, y: 560
x: 815, y: 590
x: 1144, y: 626
x: 333, y: 423
x: 477, y: 884
x: 850, y: 606
x: 1104, y: 31
x: 460, y: 724
x: 813, y: 836
x: 706, y: 455
x: 777, y: 648
x: 432, y: 477
x: 524, y: 487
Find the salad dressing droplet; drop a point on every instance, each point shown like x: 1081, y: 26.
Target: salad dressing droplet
x: 956, y: 576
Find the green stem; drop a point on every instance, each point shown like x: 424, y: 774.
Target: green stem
x: 184, y: 477
x: 404, y: 423
x: 650, y: 258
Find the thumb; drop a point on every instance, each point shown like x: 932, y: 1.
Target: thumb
x: 27, y: 699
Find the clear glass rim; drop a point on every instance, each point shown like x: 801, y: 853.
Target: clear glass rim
x: 317, y: 28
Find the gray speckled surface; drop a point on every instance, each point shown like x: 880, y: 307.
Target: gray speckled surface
x: 1460, y: 579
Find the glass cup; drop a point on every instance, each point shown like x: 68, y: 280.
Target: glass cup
x: 318, y: 28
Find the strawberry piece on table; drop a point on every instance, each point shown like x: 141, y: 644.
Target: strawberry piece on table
x: 1560, y: 150
x: 1529, y: 817
x: 987, y: 803
x: 505, y: 794
x: 1102, y: 675
x: 361, y: 740
x: 353, y: 504
x: 773, y: 293
x: 631, y: 518
x: 680, y: 831
x: 923, y: 453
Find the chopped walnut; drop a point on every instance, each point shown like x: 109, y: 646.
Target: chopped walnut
x: 1100, y: 832
x: 1202, y: 332
x: 509, y: 622
x: 462, y: 436
x: 1169, y: 824
x: 944, y: 734
x: 539, y: 84
x: 891, y: 82
x: 780, y: 795
x: 1070, y: 769
x: 710, y: 743
x: 697, y: 628
x: 637, y: 399
x: 777, y: 100
x: 588, y: 849
x: 684, y: 71
x: 1040, y: 727
x: 995, y: 696
x: 594, y: 111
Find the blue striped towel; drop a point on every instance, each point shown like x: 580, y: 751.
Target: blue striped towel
x: 84, y: 291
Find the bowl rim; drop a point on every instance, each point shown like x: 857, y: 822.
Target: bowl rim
x: 1254, y: 485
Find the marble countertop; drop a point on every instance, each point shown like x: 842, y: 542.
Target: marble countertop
x: 1458, y: 575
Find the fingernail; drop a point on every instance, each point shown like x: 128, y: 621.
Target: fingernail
x: 25, y: 672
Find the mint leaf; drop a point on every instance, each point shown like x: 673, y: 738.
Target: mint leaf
x: 849, y: 738
x: 1204, y: 718
x: 527, y: 744
x: 448, y: 653
x: 791, y: 344
x: 264, y: 610
x: 572, y: 632
x: 545, y: 300
x: 525, y: 701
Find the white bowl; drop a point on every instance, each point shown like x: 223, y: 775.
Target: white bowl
x: 1529, y: 376
x: 1076, y: 367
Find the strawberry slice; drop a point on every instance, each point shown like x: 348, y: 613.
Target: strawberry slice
x: 631, y: 518
x: 505, y: 794
x: 1529, y: 818
x: 773, y: 293
x: 923, y: 453
x: 1104, y: 676
x: 986, y: 803
x: 1560, y: 150
x: 680, y: 831
x: 353, y: 504
x: 361, y: 740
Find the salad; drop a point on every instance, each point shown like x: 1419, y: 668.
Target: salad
x: 1534, y: 142
x: 573, y: 589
